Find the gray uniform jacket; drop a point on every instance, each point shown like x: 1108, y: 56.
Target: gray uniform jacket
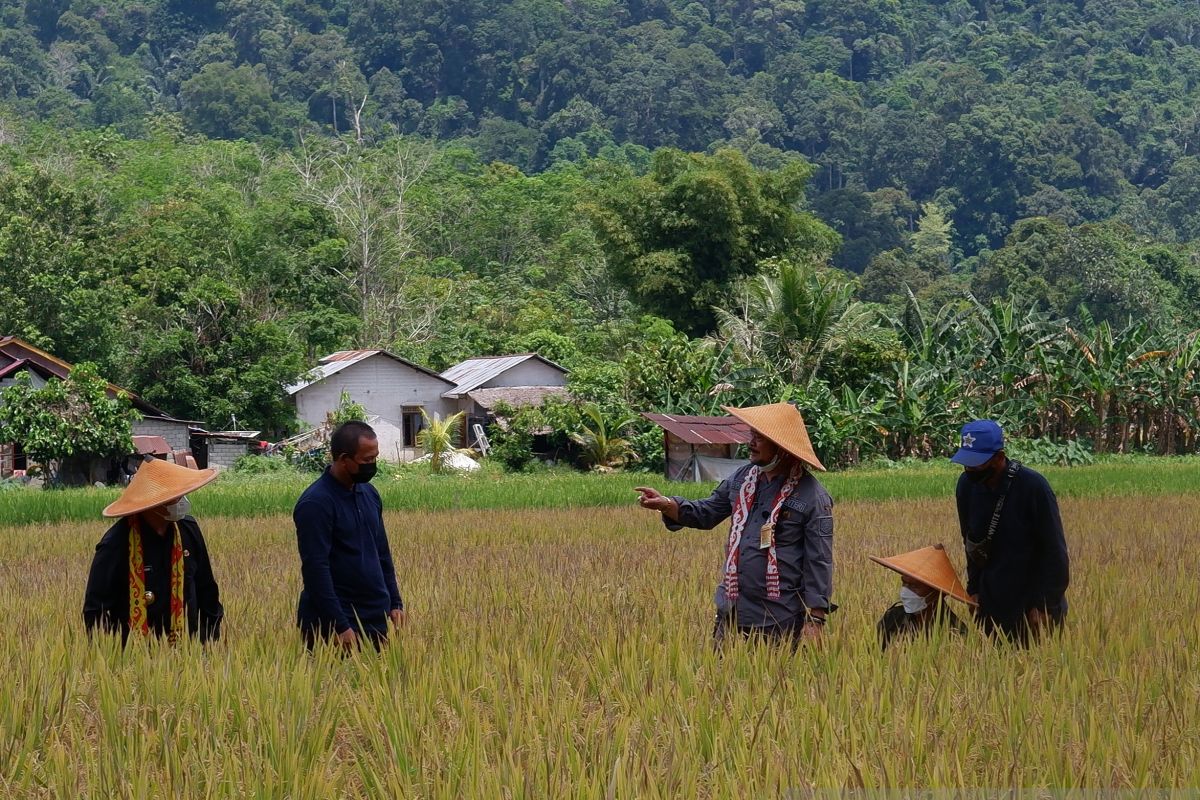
x: 803, y: 544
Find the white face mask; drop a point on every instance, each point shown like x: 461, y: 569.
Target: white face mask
x: 178, y: 510
x: 912, y: 601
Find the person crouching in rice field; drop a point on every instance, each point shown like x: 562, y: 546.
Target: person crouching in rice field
x: 927, y: 579
x: 151, y: 573
x: 1017, y: 563
x: 778, y: 567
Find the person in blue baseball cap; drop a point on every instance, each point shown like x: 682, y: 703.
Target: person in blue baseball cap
x: 981, y: 441
x: 1018, y: 568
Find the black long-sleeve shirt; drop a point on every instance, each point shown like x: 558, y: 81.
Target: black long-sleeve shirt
x: 106, y: 599
x: 898, y: 622
x: 1028, y: 566
x: 345, y: 560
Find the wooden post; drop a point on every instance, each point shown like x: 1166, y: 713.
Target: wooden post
x: 666, y: 454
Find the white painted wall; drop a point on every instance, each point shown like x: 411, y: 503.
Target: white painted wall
x: 528, y: 373
x: 381, y: 385
x: 391, y: 442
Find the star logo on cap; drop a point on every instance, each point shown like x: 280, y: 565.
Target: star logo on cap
x: 968, y: 440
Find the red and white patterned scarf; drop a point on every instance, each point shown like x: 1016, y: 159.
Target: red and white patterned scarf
x: 741, y: 512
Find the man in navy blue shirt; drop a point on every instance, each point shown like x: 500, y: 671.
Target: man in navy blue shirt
x: 349, y: 580
x: 1017, y: 563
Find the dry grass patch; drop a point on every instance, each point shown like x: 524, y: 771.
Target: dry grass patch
x: 566, y: 654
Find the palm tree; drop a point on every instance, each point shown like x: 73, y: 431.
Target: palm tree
x: 437, y: 437
x: 602, y: 449
x: 796, y: 317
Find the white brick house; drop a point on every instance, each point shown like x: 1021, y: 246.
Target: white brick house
x: 392, y: 390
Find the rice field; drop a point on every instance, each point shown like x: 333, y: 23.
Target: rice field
x: 273, y: 494
x: 566, y: 653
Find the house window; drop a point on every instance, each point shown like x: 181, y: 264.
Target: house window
x: 411, y: 423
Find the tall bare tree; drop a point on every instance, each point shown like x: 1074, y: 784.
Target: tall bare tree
x: 370, y: 194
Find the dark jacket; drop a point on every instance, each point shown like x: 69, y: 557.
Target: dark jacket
x: 106, y: 599
x: 1027, y: 566
x: 898, y: 622
x: 345, y: 559
x: 804, y: 548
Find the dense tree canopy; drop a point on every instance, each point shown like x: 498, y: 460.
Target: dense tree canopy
x: 892, y: 211
x: 997, y: 110
x: 681, y: 235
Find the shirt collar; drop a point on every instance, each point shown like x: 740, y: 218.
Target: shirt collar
x: 337, y: 485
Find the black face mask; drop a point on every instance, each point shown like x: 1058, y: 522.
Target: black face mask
x: 365, y: 473
x: 978, y: 475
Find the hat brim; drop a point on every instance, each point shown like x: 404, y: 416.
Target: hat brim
x: 949, y: 591
x: 782, y: 424
x: 971, y: 458
x: 160, y: 492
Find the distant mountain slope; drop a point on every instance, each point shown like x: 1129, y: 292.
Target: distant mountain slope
x: 999, y: 110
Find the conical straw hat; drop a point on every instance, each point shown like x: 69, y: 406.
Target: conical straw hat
x: 783, y: 425
x: 930, y: 566
x: 157, y: 483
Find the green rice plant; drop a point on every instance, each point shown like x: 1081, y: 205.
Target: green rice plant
x: 272, y: 494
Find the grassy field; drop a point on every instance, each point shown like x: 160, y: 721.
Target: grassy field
x: 554, y: 653
x: 268, y: 495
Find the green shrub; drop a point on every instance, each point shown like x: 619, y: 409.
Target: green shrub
x: 1071, y: 453
x: 262, y: 465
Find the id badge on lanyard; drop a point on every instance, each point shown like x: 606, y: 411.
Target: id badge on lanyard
x: 766, y: 536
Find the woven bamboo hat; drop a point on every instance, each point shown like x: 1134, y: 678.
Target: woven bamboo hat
x: 783, y: 425
x: 930, y: 566
x: 157, y: 483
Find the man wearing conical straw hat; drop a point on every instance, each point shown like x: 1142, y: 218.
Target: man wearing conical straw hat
x: 151, y: 572
x: 927, y: 578
x: 778, y: 563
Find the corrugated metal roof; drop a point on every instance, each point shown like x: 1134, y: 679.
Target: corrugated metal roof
x: 336, y: 362
x: 330, y: 365
x: 475, y: 372
x: 30, y: 356
x: 703, y: 430
x: 153, y: 445
x: 249, y: 435
x: 349, y: 355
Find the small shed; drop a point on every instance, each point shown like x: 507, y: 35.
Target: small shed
x: 222, y: 449
x: 19, y: 356
x: 490, y: 403
x: 701, y: 448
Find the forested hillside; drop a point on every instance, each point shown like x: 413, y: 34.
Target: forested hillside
x: 203, y: 196
x: 1000, y: 110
